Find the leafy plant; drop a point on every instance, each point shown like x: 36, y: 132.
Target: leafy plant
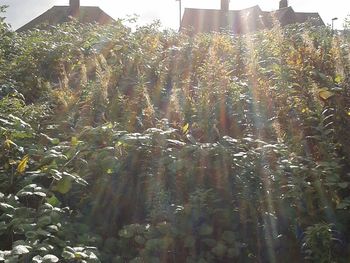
x: 143, y: 145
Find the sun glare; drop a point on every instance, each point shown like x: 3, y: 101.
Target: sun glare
x: 223, y: 140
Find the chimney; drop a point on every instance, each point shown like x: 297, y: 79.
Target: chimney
x: 225, y: 5
x: 74, y: 6
x: 283, y: 4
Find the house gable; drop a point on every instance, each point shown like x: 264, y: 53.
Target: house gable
x: 61, y: 14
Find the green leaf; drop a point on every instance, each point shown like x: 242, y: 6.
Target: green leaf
x: 44, y: 221
x: 63, y: 186
x: 37, y: 259
x: 229, y: 237
x: 50, y: 258
x: 41, y: 194
x: 19, y: 121
x: 219, y: 250
x: 126, y: 233
x: 45, y: 259
x: 30, y: 234
x: 68, y: 255
x: 5, y: 207
x: 137, y: 260
x: 80, y: 255
x: 3, y: 226
x: 209, y: 242
x: 53, y: 200
x: 233, y: 252
x: 140, y: 240
x: 20, y: 250
x: 52, y: 228
x: 205, y: 230
x: 343, y: 205
x: 12, y: 259
x: 189, y: 242
x: 24, y: 193
x: 343, y: 185
x: 55, y: 141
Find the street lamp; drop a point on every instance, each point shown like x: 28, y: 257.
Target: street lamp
x: 333, y: 19
x: 180, y: 10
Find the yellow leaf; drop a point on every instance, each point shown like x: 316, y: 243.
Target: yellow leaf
x: 185, y: 128
x: 338, y: 79
x: 325, y: 94
x: 8, y: 143
x: 23, y: 164
x: 74, y: 141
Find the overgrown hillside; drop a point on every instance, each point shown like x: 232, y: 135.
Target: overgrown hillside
x: 150, y: 146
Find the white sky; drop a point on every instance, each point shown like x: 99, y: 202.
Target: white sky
x: 167, y: 11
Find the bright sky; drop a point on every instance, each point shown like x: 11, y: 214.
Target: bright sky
x: 167, y: 11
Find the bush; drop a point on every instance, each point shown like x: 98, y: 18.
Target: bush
x: 151, y: 146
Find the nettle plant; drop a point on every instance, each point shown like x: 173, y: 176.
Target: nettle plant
x: 319, y: 241
x: 35, y: 168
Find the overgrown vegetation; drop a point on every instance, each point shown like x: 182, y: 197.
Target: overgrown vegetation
x: 150, y: 146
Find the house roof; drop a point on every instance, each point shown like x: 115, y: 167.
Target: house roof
x: 61, y: 14
x: 207, y: 20
x: 303, y: 17
x: 241, y: 21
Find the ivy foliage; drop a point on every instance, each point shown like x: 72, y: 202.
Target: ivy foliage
x: 151, y: 146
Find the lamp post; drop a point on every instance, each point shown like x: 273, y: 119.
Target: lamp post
x: 180, y: 11
x: 333, y: 19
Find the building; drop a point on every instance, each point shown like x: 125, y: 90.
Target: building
x: 60, y: 14
x: 242, y: 21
